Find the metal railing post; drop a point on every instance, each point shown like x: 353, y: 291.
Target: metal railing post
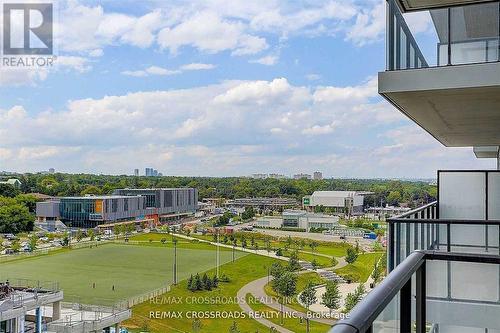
x: 405, y: 307
x: 420, y: 304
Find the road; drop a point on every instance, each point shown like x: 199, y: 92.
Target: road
x: 307, y: 235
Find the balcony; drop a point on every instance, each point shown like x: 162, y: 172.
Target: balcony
x: 453, y: 92
x: 418, y: 297
x: 444, y: 263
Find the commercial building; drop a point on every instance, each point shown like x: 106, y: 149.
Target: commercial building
x: 263, y: 203
x: 136, y: 172
x: 299, y: 219
x: 443, y: 257
x: 345, y: 202
x: 124, y: 206
x: 35, y: 306
x: 165, y: 204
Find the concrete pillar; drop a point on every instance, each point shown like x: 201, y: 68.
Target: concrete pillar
x: 117, y: 328
x: 38, y: 323
x: 56, y: 310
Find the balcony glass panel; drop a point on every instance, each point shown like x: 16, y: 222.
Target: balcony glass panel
x: 457, y: 35
x: 389, y: 320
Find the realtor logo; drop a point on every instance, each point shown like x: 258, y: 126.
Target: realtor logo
x: 27, y: 28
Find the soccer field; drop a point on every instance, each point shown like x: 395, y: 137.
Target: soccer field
x: 131, y: 269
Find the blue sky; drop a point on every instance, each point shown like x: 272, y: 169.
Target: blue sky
x: 217, y: 88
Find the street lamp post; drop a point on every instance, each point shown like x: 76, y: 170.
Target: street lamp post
x: 174, y: 240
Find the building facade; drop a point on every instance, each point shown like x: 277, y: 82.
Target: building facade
x: 125, y: 205
x: 300, y: 220
x: 443, y: 257
x: 344, y: 202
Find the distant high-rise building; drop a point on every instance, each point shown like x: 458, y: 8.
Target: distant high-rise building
x: 148, y: 172
x: 302, y: 176
x: 317, y: 175
x: 52, y: 170
x: 136, y: 172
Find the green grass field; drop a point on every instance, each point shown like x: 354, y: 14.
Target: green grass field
x: 132, y: 269
x: 240, y: 272
x: 361, y: 269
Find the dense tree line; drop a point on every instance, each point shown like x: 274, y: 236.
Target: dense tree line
x: 385, y: 191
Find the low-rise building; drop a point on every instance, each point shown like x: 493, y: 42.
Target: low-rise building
x: 263, y: 203
x: 345, y: 202
x: 299, y: 219
x: 124, y: 206
x: 13, y: 182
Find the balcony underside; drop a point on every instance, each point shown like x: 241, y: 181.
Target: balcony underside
x: 412, y: 5
x: 458, y: 105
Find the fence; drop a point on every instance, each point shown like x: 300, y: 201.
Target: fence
x: 146, y: 296
x: 18, y: 255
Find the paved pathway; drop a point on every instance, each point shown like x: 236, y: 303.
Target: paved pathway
x: 256, y: 288
x: 249, y: 289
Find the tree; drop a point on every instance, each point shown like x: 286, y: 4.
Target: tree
x: 27, y: 200
x: 198, y: 284
x: 268, y: 245
x: 276, y: 270
x: 293, y: 262
x: 91, y: 234
x: 248, y: 214
x: 376, y: 273
x: 33, y: 242
x: 196, y: 325
x: 79, y: 235
x: 308, y: 295
x: 234, y: 328
x: 331, y: 298
x: 353, y: 298
x: 207, y: 283
x: 351, y: 255
x: 15, y: 218
x: 313, y: 245
x: 7, y: 190
x: 285, y: 286
x: 190, y: 283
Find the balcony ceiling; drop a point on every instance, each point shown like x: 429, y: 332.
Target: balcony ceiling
x: 470, y: 22
x: 458, y: 105
x: 413, y: 5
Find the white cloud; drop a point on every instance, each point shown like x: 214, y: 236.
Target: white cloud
x: 225, y: 128
x: 196, y: 67
x: 79, y: 64
x: 208, y: 32
x: 369, y: 26
x: 268, y: 60
x: 313, y: 77
x: 152, y: 70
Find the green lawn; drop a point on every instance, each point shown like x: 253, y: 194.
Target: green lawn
x: 241, y: 272
x: 361, y: 269
x: 302, y: 280
x: 132, y: 269
x: 293, y: 324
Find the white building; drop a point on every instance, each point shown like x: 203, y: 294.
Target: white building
x: 299, y: 219
x: 317, y: 175
x: 347, y: 202
x: 12, y: 181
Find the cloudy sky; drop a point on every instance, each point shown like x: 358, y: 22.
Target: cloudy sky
x: 217, y: 88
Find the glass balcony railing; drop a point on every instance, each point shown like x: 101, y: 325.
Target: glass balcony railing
x: 420, y: 229
x: 463, y: 35
x: 432, y: 292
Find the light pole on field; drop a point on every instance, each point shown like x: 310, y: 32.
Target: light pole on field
x: 218, y: 253
x: 174, y: 240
